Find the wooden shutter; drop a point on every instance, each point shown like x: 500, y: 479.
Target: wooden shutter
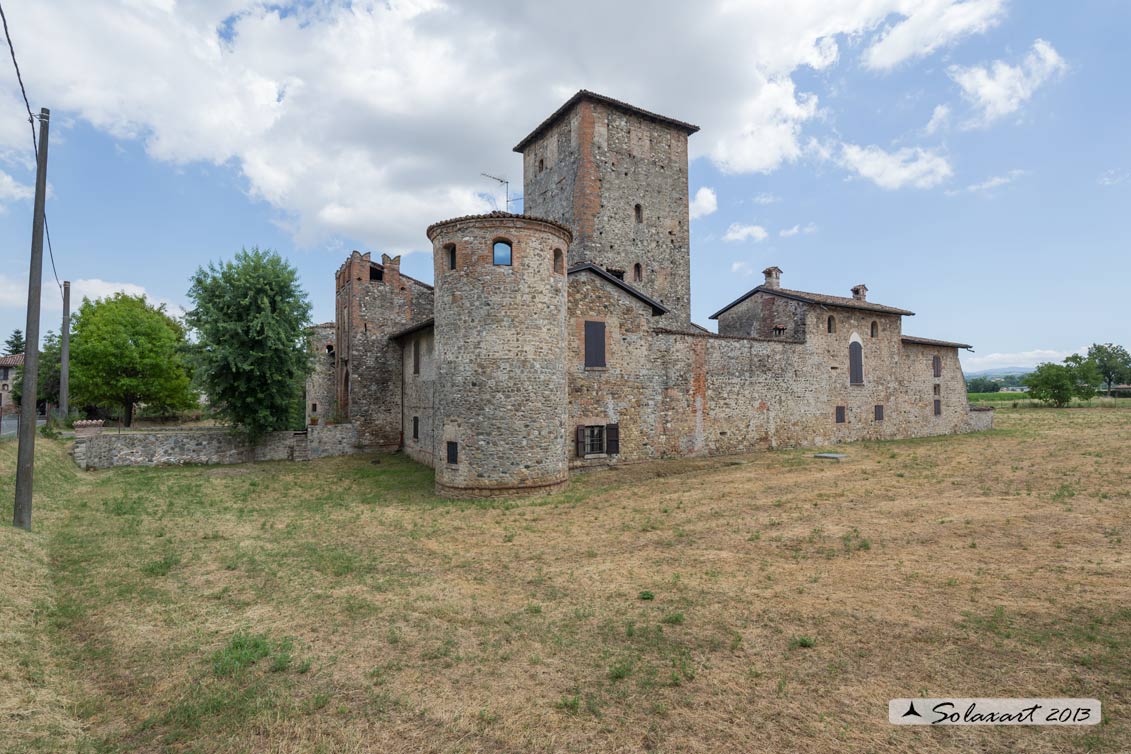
x: 879, y: 413
x: 938, y: 407
x: 840, y: 414
x: 594, y: 344
x: 855, y: 363
x: 612, y: 439
x: 936, y: 364
x: 580, y: 440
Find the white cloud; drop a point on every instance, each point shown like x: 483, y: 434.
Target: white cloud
x: 996, y: 181
x: 797, y: 229
x: 13, y: 295
x: 766, y: 198
x: 927, y: 26
x: 744, y: 269
x: 704, y: 203
x: 1000, y: 89
x: 369, y: 120
x: 1113, y: 177
x: 1018, y: 359
x: 939, y: 118
x: 739, y: 232
x: 915, y: 167
x: 11, y: 190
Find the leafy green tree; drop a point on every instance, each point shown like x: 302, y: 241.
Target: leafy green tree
x: 1058, y: 384
x: 250, y: 316
x: 124, y: 352
x: 982, y: 385
x: 1112, y: 362
x: 50, y: 365
x: 15, y: 343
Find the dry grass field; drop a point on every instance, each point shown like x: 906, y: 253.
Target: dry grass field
x: 763, y: 603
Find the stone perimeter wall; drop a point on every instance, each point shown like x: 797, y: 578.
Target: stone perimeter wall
x: 176, y: 447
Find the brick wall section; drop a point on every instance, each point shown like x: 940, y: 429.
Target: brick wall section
x: 321, y: 390
x: 590, y: 170
x: 207, y: 446
x: 500, y: 388
x: 368, y: 366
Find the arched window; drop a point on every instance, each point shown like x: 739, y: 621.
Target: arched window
x: 832, y: 324
x: 451, y: 250
x: 875, y: 328
x: 502, y: 252
x: 637, y: 273
x: 559, y: 261
x: 639, y: 214
x: 855, y: 363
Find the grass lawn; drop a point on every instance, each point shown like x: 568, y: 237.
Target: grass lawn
x: 770, y: 602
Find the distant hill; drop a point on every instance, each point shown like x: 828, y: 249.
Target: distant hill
x: 1000, y: 372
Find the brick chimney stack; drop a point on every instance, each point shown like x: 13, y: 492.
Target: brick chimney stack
x: 773, y: 277
x: 860, y: 292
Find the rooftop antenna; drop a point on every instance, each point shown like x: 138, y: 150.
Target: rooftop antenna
x: 506, y: 189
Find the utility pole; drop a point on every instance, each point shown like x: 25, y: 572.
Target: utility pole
x: 25, y: 455
x: 65, y: 360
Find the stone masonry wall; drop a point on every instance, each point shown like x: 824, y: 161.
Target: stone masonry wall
x: 759, y: 315
x: 590, y: 170
x: 321, y: 393
x: 500, y: 341
x: 419, y: 391
x: 175, y: 447
x: 374, y: 301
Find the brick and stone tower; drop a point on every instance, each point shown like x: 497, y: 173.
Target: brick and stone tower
x: 616, y: 176
x: 500, y: 325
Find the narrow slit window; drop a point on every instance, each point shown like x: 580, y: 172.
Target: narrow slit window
x: 451, y: 250
x: 501, y: 253
x: 559, y: 261
x: 875, y: 329
x: 832, y: 324
x: 637, y: 273
x: 453, y: 453
x: 936, y: 365
x: 879, y: 413
x: 840, y: 415
x: 855, y: 363
x: 314, y: 408
x: 639, y: 212
x: 938, y: 407
x: 416, y: 427
x: 416, y: 356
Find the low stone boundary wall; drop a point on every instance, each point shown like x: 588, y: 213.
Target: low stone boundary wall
x: 174, y: 447
x: 981, y: 418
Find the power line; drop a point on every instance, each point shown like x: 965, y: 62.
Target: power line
x: 34, y: 143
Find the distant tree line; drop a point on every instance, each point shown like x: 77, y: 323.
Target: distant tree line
x: 1104, y: 366
x: 243, y: 346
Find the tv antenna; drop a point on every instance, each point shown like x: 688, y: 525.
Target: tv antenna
x: 506, y: 189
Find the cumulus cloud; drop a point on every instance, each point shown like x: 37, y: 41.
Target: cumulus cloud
x: 1113, y: 177
x: 926, y: 27
x: 1000, y: 89
x: 12, y: 190
x: 915, y: 167
x: 1017, y: 359
x: 766, y: 198
x: 740, y: 232
x: 13, y: 295
x: 703, y: 203
x: 743, y: 269
x: 369, y: 120
x: 939, y: 118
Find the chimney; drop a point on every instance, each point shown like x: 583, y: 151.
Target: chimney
x: 773, y: 277
x: 860, y: 292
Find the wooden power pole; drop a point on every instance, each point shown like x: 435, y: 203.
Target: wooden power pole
x: 25, y: 455
x: 65, y: 356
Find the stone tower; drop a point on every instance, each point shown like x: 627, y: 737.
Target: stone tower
x: 616, y: 176
x: 500, y: 350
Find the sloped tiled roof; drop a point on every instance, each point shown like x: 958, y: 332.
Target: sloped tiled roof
x: 15, y: 360
x: 821, y: 299
x: 586, y: 94
x: 497, y: 215
x: 931, y: 342
x: 413, y: 328
x: 657, y: 307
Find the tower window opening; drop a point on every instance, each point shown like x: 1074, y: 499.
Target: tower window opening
x: 376, y: 273
x: 451, y: 249
x: 832, y: 324
x: 559, y: 261
x: 637, y: 272
x: 541, y: 165
x: 639, y: 212
x: 855, y: 363
x: 502, y: 253
x: 875, y: 329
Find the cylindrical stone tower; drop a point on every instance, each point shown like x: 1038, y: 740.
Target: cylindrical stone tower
x: 500, y: 319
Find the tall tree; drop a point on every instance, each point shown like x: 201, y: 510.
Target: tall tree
x: 15, y: 343
x: 1112, y: 362
x: 124, y: 352
x: 50, y: 361
x: 1058, y: 384
x: 250, y: 316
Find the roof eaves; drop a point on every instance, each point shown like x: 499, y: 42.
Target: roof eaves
x: 586, y: 94
x: 413, y: 329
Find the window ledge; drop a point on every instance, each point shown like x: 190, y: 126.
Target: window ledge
x: 587, y: 456
x: 596, y: 369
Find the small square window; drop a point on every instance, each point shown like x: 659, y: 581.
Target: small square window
x: 453, y: 453
x: 840, y: 415
x: 314, y: 408
x: 376, y: 274
x: 879, y: 413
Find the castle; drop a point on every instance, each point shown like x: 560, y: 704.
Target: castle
x: 561, y: 338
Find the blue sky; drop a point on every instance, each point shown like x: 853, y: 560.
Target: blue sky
x: 970, y: 161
